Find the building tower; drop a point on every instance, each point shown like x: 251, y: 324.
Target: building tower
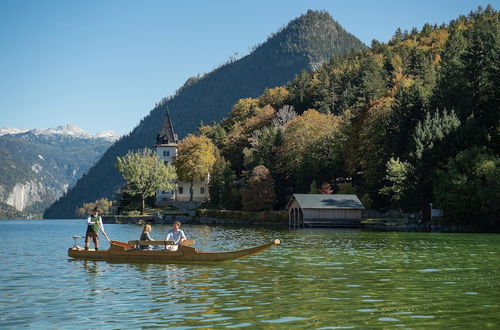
x: 166, y: 148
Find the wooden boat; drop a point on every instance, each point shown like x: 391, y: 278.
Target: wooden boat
x: 121, y: 251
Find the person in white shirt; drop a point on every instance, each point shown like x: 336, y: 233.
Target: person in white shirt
x: 177, y: 235
x: 94, y: 223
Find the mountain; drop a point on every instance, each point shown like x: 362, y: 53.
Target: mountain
x: 39, y: 165
x: 63, y: 130
x: 304, y: 43
x: 11, y: 130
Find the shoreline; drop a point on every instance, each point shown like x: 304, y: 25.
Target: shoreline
x: 381, y: 225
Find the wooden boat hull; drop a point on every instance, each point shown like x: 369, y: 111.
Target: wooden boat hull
x: 119, y: 251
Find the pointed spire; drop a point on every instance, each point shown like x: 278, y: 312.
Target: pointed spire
x: 167, y: 135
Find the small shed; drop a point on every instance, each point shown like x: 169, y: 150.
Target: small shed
x: 324, y: 210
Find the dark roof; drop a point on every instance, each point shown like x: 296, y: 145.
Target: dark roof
x: 167, y: 135
x: 331, y: 201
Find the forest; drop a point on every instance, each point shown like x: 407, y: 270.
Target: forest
x: 405, y: 123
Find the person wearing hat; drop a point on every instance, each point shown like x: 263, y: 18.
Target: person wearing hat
x: 94, y: 222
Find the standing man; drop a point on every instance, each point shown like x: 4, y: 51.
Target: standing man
x: 94, y: 222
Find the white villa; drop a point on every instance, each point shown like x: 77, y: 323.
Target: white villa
x: 166, y: 149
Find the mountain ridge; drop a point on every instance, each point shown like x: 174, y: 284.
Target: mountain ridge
x: 67, y: 130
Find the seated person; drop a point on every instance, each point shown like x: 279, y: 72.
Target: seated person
x: 145, y: 236
x: 175, y: 234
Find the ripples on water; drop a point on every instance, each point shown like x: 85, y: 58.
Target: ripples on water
x: 317, y: 278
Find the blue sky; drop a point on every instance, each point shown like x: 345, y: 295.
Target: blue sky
x: 104, y: 64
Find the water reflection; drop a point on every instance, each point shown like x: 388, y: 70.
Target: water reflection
x: 91, y: 267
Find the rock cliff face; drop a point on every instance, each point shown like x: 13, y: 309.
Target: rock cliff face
x: 38, y: 166
x: 26, y: 194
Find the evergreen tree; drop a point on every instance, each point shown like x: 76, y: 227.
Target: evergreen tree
x: 222, y: 184
x: 304, y: 176
x: 412, y: 180
x: 214, y: 132
x: 468, y: 188
x: 313, y: 189
x: 216, y: 185
x: 231, y: 197
x: 408, y: 109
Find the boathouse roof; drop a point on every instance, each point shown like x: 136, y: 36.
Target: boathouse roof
x: 327, y: 201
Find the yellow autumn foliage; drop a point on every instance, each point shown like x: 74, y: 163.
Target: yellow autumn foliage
x: 195, y: 158
x: 275, y: 97
x: 301, y: 134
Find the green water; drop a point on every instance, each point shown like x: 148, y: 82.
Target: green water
x: 317, y: 278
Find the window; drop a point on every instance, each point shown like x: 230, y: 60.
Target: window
x: 202, y: 190
x: 168, y: 153
x: 164, y: 153
x: 181, y: 190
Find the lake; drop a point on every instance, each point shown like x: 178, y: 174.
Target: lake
x: 317, y: 278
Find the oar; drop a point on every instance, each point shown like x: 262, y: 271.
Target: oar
x: 102, y: 229
x: 114, y: 242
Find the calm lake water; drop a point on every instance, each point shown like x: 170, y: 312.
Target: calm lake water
x: 317, y: 278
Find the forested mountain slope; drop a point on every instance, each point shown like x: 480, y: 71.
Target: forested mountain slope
x: 306, y: 41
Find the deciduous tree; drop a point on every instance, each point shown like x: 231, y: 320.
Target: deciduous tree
x: 145, y: 174
x: 399, y: 178
x: 194, y: 160
x: 325, y: 189
x: 300, y: 135
x: 102, y: 204
x: 243, y: 109
x: 258, y: 194
x: 275, y: 97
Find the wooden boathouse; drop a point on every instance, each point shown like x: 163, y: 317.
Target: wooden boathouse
x: 329, y: 210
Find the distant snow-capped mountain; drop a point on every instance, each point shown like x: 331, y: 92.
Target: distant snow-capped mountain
x: 11, y: 130
x: 39, y: 165
x: 110, y: 135
x: 64, y: 130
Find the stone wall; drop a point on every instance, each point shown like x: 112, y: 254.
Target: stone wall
x: 238, y: 222
x: 171, y: 218
x: 120, y: 219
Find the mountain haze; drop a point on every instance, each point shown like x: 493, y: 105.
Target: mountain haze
x: 303, y: 44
